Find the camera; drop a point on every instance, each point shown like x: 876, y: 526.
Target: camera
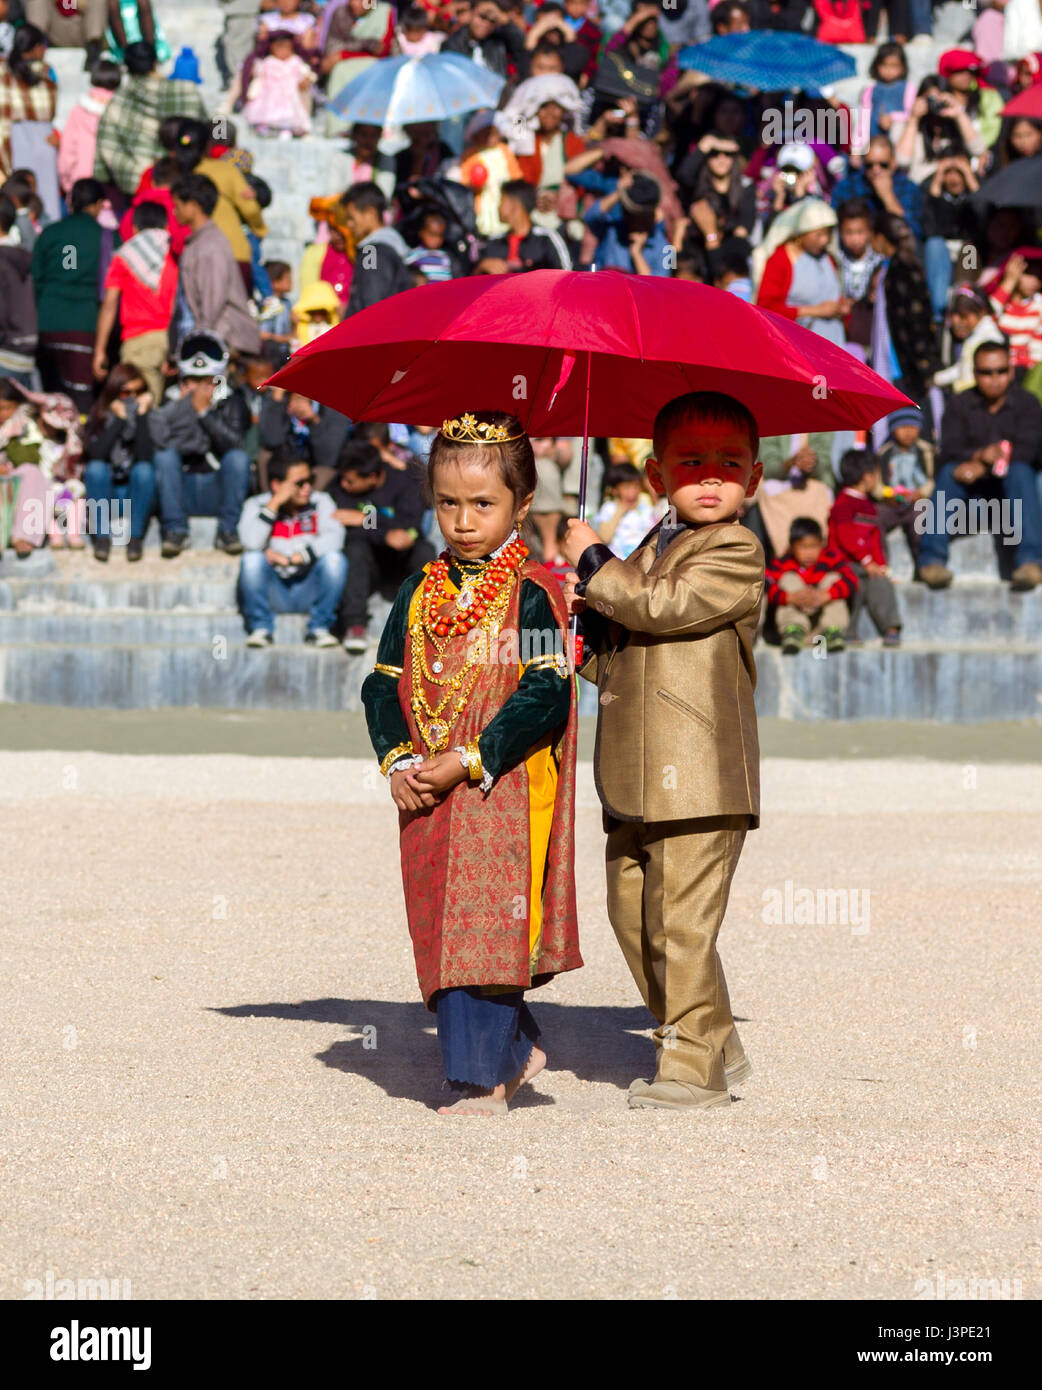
x: 789, y: 176
x: 935, y: 105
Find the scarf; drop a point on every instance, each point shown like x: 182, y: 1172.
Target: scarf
x: 145, y: 256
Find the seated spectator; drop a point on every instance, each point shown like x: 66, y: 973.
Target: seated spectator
x: 121, y: 454
x: 293, y: 425
x: 855, y: 532
x: 628, y: 512
x: 201, y: 467
x: 568, y: 31
x: 380, y: 251
x: 156, y: 186
x: 354, y: 34
x: 950, y: 224
x: 938, y: 126
x: 488, y: 38
x: 1017, y: 304
x: 906, y: 466
x: 548, y: 505
x: 883, y: 186
x: 140, y: 288
x: 800, y: 280
x: 29, y: 221
x: 991, y: 449
x: 70, y: 261
x: 39, y: 456
x: 538, y: 119
x: 525, y: 246
x: 632, y: 65
x: 316, y: 311
x: 128, y: 131
x: 723, y: 203
x: 970, y: 323
x: 798, y: 480
x: 278, y: 100
x: 629, y: 227
x: 289, y: 17
x: 294, y: 560
x: 981, y: 104
x: 80, y: 25
x: 729, y: 269
x: 430, y: 258
x: 381, y: 510
x: 857, y: 261
x: 809, y: 589
x: 80, y: 134
x: 1021, y: 139
x: 211, y: 294
x: 18, y: 322
x: 414, y: 37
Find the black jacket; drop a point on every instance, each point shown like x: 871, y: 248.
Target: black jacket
x: 504, y: 46
x: 319, y: 443
x: 379, y: 269
x: 177, y: 426
x: 17, y: 302
x: 541, y: 249
x: 969, y: 425
x: 398, y: 502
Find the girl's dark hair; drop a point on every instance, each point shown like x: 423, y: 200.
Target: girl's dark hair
x: 121, y: 375
x: 26, y: 39
x: 169, y: 130
x: 621, y: 473
x: 1004, y: 144
x: 899, y: 235
x: 513, y: 460
x: 888, y: 50
x: 854, y: 464
x: 193, y: 141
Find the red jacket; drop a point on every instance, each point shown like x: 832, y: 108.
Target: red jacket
x: 828, y: 562
x: 776, y: 284
x: 854, y: 528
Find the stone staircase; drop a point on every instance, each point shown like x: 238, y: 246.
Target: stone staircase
x: 167, y: 633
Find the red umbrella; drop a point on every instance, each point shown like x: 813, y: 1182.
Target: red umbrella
x: 1027, y: 103
x: 574, y: 353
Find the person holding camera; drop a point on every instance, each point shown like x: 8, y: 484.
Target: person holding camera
x: 201, y: 467
x: 120, y: 458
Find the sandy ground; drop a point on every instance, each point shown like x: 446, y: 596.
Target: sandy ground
x: 218, y: 1076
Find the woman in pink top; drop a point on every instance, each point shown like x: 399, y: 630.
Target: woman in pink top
x: 76, y: 152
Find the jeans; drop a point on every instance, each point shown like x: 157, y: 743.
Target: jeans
x: 1019, y: 487
x: 938, y: 262
x: 316, y: 591
x: 139, y: 492
x: 921, y: 18
x: 486, y: 1039
x: 183, y: 494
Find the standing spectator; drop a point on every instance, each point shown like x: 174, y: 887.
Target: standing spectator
x: 381, y: 510
x: 800, y: 280
x: 28, y: 102
x: 120, y: 459
x: 950, y: 222
x: 80, y: 135
x: 995, y: 423
x: 211, y: 295
x: 201, y: 467
x: 855, y: 532
x: 380, y: 251
x: 628, y: 512
x: 237, y: 201
x: 526, y: 246
x: 140, y: 287
x: 40, y: 449
x: 156, y: 185
x: 809, y: 588
x: 128, y: 132
x: 70, y: 259
x: 886, y: 102
x: 489, y: 39
x: 18, y: 322
x: 278, y: 99
x: 903, y: 300
x: 65, y: 25
x: 294, y: 560
x: 883, y: 185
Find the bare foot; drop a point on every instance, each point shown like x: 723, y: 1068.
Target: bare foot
x: 22, y: 547
x: 535, y: 1064
x: 478, y: 1103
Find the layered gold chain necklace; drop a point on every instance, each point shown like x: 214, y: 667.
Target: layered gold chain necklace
x: 481, y: 603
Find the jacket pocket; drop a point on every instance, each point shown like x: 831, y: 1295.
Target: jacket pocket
x: 685, y: 708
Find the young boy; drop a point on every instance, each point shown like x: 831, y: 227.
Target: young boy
x: 430, y: 258
x: 278, y: 339
x: 906, y: 468
x: 855, y: 531
x: 808, y: 588
x: 671, y: 634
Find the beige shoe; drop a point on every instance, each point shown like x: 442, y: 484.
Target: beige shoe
x: 936, y: 576
x: 737, y: 1071
x: 673, y: 1095
x: 1025, y: 577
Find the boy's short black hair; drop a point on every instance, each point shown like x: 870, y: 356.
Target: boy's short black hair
x: 140, y: 58
x: 276, y: 270
x: 366, y: 195
x: 622, y: 473
x: 522, y: 191
x: 281, y: 461
x: 854, y: 464
x: 853, y: 208
x: 805, y: 526
x: 358, y: 457
x: 106, y: 74
x: 413, y: 16
x: 710, y: 405
x: 374, y: 431
x: 84, y: 192
x: 990, y: 346
x: 149, y: 215
x: 197, y: 188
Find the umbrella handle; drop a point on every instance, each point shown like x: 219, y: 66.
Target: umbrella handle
x: 573, y: 627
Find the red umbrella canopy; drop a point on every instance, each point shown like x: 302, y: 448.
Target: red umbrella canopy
x: 523, y: 343
x: 1027, y: 103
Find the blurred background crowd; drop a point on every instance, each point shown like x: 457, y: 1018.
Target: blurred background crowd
x: 871, y: 170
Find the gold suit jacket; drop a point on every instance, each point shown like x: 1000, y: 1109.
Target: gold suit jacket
x: 676, y: 726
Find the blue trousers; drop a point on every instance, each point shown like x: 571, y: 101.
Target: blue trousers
x: 938, y: 263
x: 1019, y: 486
x: 263, y: 592
x: 139, y: 493
x: 220, y: 494
x: 486, y: 1039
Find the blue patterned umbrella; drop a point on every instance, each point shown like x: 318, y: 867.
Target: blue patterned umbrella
x: 404, y: 91
x: 770, y: 61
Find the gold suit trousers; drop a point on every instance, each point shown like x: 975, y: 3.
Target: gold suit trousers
x: 668, y: 884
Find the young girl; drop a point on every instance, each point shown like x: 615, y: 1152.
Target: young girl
x: 1017, y: 306
x: 40, y: 450
x: 277, y: 99
x: 477, y: 738
x: 886, y: 102
x: 628, y: 513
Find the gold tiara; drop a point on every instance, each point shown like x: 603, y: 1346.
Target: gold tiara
x: 465, y: 429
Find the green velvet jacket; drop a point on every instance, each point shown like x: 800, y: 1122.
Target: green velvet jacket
x: 538, y: 705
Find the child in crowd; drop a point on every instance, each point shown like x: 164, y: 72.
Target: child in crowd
x: 1017, y: 303
x: 289, y: 17
x: 488, y: 164
x: 316, y: 311
x: 278, y: 99
x: 670, y: 635
x: 971, y: 324
x: 855, y: 531
x: 430, y: 258
x: 76, y: 152
x: 808, y: 589
x: 40, y: 450
x: 278, y: 340
x: 548, y: 504
x: 628, y: 512
x: 906, y: 468
x: 414, y: 37
x: 480, y: 756
x: 157, y: 187
x: 857, y: 262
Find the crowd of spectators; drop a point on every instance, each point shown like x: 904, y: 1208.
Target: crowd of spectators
x: 139, y: 313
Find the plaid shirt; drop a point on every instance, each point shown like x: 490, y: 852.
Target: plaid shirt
x: 21, y: 103
x: 128, y: 132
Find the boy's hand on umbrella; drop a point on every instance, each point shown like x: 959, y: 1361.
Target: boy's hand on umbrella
x: 438, y: 774
x: 579, y: 537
